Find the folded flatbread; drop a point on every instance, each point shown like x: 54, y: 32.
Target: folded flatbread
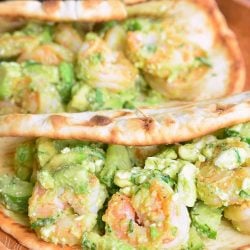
x: 177, y: 122
x: 181, y: 50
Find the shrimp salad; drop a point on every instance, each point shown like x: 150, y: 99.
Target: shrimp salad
x: 102, y: 196
x: 56, y: 67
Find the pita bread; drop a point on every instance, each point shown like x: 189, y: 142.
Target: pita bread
x: 175, y: 122
x: 69, y: 10
x: 204, y: 24
x: 231, y: 109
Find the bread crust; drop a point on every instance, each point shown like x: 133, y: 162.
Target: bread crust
x: 69, y: 10
x: 175, y: 122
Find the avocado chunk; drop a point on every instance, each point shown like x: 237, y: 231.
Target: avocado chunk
x: 45, y: 150
x: 25, y: 160
x: 206, y: 219
x: 77, y: 155
x: 186, y: 184
x: 117, y: 158
x: 66, y: 71
x: 93, y: 241
x: 195, y: 242
x: 241, y: 130
x: 38, y: 29
x: 14, y: 193
x: 79, y: 101
x: 10, y: 74
x: 41, y: 73
x: 75, y: 177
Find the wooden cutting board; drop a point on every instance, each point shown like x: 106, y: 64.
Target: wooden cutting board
x: 237, y: 13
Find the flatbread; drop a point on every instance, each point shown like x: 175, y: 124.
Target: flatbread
x: 175, y: 122
x: 228, y: 238
x: 69, y: 10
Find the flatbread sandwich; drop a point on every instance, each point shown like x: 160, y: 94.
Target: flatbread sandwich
x: 75, y: 56
x: 169, y: 178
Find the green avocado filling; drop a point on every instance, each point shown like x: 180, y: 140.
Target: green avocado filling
x: 56, y: 67
x: 77, y: 192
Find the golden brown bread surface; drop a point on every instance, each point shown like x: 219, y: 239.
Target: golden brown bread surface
x: 175, y: 122
x: 69, y: 10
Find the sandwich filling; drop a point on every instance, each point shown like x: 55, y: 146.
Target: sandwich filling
x: 126, y: 197
x: 141, y: 61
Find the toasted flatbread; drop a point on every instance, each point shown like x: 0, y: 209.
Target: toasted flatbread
x: 69, y: 10
x: 175, y: 122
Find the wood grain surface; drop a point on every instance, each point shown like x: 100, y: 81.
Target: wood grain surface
x: 237, y: 13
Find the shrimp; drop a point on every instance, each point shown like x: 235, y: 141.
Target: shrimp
x: 101, y: 67
x: 49, y: 53
x: 61, y: 216
x: 225, y: 172
x: 239, y: 215
x: 170, y: 64
x: 14, y: 45
x: 68, y: 37
x: 152, y: 217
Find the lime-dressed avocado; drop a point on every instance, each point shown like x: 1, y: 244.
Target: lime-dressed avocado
x: 45, y: 150
x: 117, y: 158
x: 66, y: 71
x: 41, y: 73
x: 91, y: 158
x: 93, y: 241
x: 241, y: 130
x: 10, y: 74
x: 25, y: 160
x: 186, y: 184
x: 14, y: 193
x: 43, y: 31
x: 206, y: 219
x: 195, y: 242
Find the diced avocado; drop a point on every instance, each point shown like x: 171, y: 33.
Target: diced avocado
x: 14, y: 193
x: 66, y: 71
x: 117, y: 158
x: 241, y: 130
x: 75, y: 177
x: 194, y: 242
x: 231, y: 158
x: 65, y: 159
x: 85, y: 155
x: 79, y: 100
x: 10, y: 73
x: 24, y: 160
x: 43, y: 84
x: 45, y: 150
x: 46, y: 179
x: 104, y: 99
x: 206, y: 219
x: 35, y: 29
x: 93, y: 241
x: 189, y: 152
x: 41, y: 73
x: 42, y: 222
x: 186, y: 184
